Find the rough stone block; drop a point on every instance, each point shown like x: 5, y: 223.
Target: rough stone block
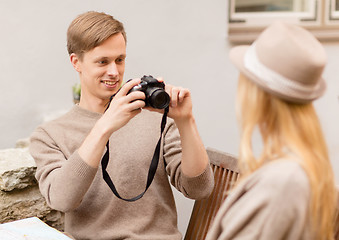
x: 19, y: 192
x: 28, y: 202
x: 17, y: 169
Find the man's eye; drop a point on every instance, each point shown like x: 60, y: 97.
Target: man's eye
x: 102, y: 62
x: 120, y: 60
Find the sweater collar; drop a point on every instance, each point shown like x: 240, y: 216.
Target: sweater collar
x: 86, y: 113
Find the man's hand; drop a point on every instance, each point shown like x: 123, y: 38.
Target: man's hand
x: 181, y: 103
x: 180, y: 108
x: 123, y: 106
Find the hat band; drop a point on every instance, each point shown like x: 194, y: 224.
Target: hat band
x: 274, y: 80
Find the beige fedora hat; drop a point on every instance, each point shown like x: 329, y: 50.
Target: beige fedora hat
x: 286, y: 61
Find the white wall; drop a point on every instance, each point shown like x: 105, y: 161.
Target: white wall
x: 183, y: 41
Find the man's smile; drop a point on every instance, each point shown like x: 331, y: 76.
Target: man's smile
x: 110, y: 83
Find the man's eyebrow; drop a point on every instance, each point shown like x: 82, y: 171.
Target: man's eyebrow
x: 101, y: 58
x: 107, y: 57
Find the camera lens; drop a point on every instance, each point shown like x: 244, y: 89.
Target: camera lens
x: 159, y: 99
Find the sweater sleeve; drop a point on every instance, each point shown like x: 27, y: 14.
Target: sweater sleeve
x: 197, y: 187
x: 270, y: 206
x: 62, y: 181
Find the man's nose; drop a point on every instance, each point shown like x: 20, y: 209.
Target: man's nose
x: 112, y: 70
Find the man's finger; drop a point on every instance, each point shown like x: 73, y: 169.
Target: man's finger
x: 128, y: 86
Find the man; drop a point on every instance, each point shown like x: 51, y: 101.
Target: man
x: 68, y: 150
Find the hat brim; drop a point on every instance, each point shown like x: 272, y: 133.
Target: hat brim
x: 237, y: 55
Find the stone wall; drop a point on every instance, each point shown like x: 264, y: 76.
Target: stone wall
x: 19, y: 192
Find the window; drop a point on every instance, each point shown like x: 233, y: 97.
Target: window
x: 247, y: 18
x: 334, y: 10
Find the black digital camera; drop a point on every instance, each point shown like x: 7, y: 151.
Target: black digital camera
x: 156, y: 96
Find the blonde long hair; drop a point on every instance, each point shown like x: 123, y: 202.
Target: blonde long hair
x: 295, y: 127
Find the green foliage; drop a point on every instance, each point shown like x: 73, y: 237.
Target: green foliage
x: 76, y: 91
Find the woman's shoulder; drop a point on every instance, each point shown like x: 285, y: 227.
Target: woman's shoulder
x: 284, y: 171
x: 284, y: 168
x: 283, y: 178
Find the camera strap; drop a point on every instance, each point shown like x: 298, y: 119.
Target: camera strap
x: 152, y: 169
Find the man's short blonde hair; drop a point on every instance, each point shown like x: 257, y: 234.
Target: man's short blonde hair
x: 89, y: 30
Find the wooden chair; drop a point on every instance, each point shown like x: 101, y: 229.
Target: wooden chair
x: 226, y: 173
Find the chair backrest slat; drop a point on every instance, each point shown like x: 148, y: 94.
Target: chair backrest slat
x: 225, y: 175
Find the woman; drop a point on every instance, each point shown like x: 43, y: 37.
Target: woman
x: 287, y: 190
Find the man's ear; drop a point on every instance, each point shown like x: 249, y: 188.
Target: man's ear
x: 75, y: 62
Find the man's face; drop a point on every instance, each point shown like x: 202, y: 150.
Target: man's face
x: 101, y: 70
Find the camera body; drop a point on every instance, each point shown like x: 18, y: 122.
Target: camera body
x: 155, y: 93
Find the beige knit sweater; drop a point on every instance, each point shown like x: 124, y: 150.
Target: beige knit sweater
x: 92, y: 211
x: 271, y: 204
